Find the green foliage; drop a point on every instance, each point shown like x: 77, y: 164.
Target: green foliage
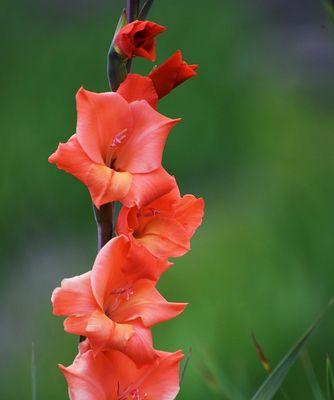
x: 273, y: 383
x: 329, y: 7
x: 329, y: 379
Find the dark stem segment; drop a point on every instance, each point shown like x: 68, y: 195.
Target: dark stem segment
x: 104, y: 218
x: 132, y: 10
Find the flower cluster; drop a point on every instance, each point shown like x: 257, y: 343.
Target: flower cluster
x: 116, y: 152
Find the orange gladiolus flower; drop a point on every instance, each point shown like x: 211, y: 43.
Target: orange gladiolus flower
x: 163, y: 227
x: 171, y: 73
x: 138, y: 39
x: 112, y: 308
x: 112, y: 375
x: 117, y: 149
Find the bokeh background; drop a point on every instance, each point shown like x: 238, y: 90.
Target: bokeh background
x: 256, y: 142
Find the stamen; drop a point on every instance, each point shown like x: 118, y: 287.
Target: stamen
x: 118, y: 139
x: 124, y: 292
x: 131, y: 394
x: 135, y: 395
x: 119, y: 295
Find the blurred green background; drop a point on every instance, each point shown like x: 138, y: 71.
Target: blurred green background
x: 256, y: 142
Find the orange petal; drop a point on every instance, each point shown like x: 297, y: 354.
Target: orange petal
x: 107, y: 269
x: 76, y: 324
x: 165, y: 237
x: 189, y: 212
x: 103, y: 333
x: 142, y: 151
x: 140, y: 346
x: 86, y: 377
x: 147, y: 187
x: 147, y: 304
x: 101, y: 116
x: 113, y: 375
x: 75, y: 296
x: 143, y: 264
x: 162, y: 383
x: 104, y: 184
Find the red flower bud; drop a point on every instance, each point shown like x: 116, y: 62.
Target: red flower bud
x: 138, y: 39
x: 171, y: 73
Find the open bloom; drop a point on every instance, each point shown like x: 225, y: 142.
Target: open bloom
x: 138, y: 39
x: 163, y: 227
x: 112, y: 308
x: 117, y: 149
x: 171, y: 73
x: 112, y: 375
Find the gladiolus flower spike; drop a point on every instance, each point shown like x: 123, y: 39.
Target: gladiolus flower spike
x: 116, y: 152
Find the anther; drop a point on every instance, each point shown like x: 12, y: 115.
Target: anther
x: 118, y: 139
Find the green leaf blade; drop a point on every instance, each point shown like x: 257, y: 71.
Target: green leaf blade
x: 274, y: 381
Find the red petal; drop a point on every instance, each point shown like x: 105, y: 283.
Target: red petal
x: 138, y: 39
x: 171, y: 73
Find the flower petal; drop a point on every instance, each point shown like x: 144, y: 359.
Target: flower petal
x: 162, y: 383
x: 147, y: 187
x: 143, y: 264
x: 171, y: 73
x: 85, y: 377
x: 101, y: 116
x: 76, y: 324
x: 189, y: 212
x: 132, y: 339
x: 147, y: 304
x: 142, y: 151
x: 75, y: 296
x: 103, y: 333
x: 165, y: 237
x: 140, y: 346
x: 113, y: 375
x: 107, y: 270
x: 104, y: 184
x: 138, y: 39
x: 137, y: 87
